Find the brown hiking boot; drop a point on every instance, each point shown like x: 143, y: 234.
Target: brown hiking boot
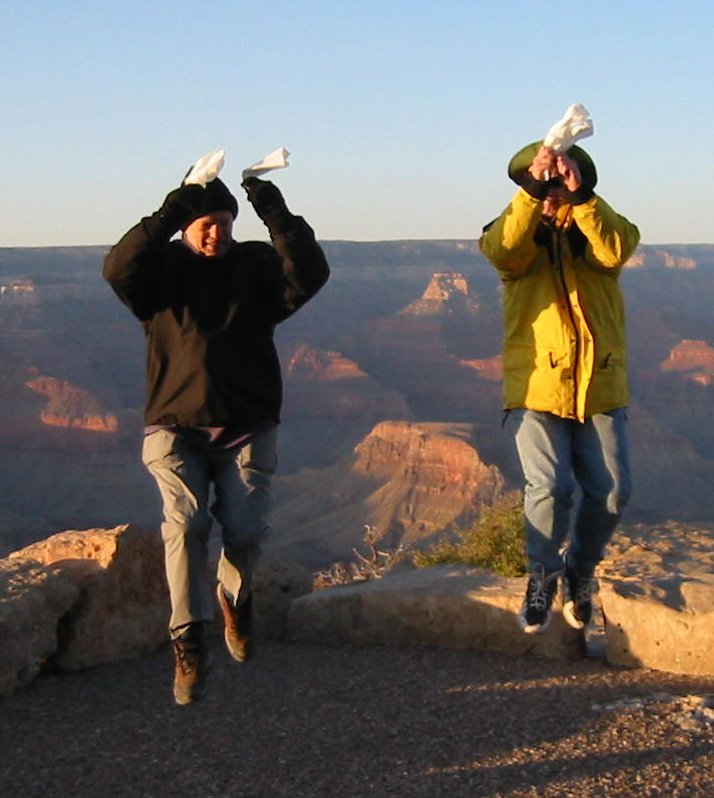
x: 238, y: 631
x: 192, y: 665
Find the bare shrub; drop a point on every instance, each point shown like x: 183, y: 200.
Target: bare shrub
x: 372, y: 564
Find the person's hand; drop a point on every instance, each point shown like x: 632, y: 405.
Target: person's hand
x: 569, y: 172
x: 266, y: 199
x: 543, y: 165
x: 180, y: 207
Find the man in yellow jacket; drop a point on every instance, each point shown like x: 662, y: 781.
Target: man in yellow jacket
x: 559, y: 249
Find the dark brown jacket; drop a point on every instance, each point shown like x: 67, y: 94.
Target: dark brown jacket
x: 209, y: 322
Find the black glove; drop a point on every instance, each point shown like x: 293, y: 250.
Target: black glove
x: 579, y: 196
x: 266, y: 199
x: 538, y: 189
x: 181, y: 206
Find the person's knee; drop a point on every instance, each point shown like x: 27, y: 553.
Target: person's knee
x: 193, y: 526
x: 611, y: 498
x: 246, y: 535
x: 619, y: 496
x: 560, y: 493
x: 244, y: 516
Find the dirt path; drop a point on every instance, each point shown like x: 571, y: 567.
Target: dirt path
x: 302, y: 721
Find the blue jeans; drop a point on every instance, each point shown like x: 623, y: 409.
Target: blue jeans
x: 241, y: 478
x: 555, y: 453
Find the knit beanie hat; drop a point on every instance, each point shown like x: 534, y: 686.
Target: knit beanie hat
x: 518, y: 167
x: 214, y: 197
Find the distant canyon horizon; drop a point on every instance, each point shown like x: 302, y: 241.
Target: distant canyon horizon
x: 392, y: 415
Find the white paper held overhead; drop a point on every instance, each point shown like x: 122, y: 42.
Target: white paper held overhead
x: 278, y: 159
x: 575, y: 124
x: 206, y: 168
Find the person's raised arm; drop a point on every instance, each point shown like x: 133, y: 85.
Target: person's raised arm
x: 304, y: 265
x: 130, y: 266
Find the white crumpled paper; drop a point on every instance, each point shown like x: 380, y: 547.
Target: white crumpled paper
x: 575, y: 125
x: 278, y: 159
x: 206, y: 168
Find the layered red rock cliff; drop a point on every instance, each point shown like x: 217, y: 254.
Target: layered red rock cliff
x: 643, y: 258
x: 694, y: 360
x: 352, y: 394
x: 70, y: 406
x: 447, y: 292
x: 408, y: 481
x: 309, y: 364
x: 490, y: 369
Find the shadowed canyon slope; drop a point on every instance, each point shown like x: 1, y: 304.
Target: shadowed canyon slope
x: 392, y: 382
x: 408, y: 481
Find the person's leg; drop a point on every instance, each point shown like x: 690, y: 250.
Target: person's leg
x: 601, y: 466
x: 242, y: 508
x: 544, y: 447
x: 182, y: 475
x: 544, y: 444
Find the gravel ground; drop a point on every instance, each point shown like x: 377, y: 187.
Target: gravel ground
x: 303, y: 721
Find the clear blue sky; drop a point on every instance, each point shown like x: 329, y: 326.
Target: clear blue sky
x: 400, y: 115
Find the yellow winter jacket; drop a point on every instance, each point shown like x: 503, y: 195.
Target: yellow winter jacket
x: 564, y: 323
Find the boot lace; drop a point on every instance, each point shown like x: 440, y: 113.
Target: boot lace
x: 186, y: 657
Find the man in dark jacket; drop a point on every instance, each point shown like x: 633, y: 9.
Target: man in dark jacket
x: 209, y: 306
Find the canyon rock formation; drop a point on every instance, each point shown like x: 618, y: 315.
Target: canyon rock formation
x: 404, y: 331
x: 406, y: 480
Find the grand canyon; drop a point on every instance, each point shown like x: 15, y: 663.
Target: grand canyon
x: 392, y: 418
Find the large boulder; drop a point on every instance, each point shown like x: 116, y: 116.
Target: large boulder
x: 122, y: 605
x: 657, y: 596
x: 33, y: 599
x: 445, y: 606
x: 277, y: 584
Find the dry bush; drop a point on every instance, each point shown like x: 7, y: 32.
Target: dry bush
x: 373, y: 564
